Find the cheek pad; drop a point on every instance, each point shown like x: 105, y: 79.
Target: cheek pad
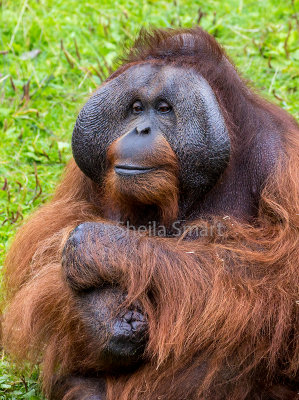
x: 201, y: 141
x: 100, y: 122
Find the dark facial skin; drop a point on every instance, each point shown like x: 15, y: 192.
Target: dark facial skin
x: 142, y: 104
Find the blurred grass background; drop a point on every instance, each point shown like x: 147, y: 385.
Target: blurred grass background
x: 53, y: 54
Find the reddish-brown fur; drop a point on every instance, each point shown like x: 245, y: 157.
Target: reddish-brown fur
x: 161, y: 190
x: 225, y: 312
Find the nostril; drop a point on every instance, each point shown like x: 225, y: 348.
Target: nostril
x: 143, y: 131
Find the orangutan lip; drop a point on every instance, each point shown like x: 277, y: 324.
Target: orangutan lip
x: 131, y: 169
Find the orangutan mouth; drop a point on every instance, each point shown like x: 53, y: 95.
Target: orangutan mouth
x: 128, y: 170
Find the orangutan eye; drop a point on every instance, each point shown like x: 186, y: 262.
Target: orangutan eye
x: 137, y: 107
x: 163, y: 107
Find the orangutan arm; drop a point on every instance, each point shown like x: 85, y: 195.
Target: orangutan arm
x: 201, y: 298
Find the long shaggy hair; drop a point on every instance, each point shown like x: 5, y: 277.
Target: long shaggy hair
x: 222, y: 310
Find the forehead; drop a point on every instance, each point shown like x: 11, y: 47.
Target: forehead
x: 151, y: 80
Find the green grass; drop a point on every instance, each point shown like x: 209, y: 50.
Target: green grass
x: 73, y: 45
